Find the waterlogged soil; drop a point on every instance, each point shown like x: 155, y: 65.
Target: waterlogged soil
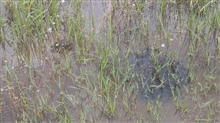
x: 158, y: 76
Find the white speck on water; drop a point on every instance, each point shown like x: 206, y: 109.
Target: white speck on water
x: 57, y: 44
x: 163, y: 45
x: 62, y: 1
x: 49, y: 30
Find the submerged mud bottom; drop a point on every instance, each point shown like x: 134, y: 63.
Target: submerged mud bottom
x: 158, y: 77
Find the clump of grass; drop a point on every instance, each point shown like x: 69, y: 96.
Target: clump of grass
x: 94, y: 78
x: 2, y: 40
x: 154, y: 110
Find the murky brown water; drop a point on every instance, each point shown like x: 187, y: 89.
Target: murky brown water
x: 84, y: 99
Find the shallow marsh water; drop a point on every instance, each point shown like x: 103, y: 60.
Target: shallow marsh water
x: 98, y: 80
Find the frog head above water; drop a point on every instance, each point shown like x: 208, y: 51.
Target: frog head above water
x: 62, y: 46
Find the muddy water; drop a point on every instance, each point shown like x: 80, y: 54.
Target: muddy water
x: 50, y: 70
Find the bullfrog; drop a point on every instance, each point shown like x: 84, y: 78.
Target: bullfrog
x: 62, y: 46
